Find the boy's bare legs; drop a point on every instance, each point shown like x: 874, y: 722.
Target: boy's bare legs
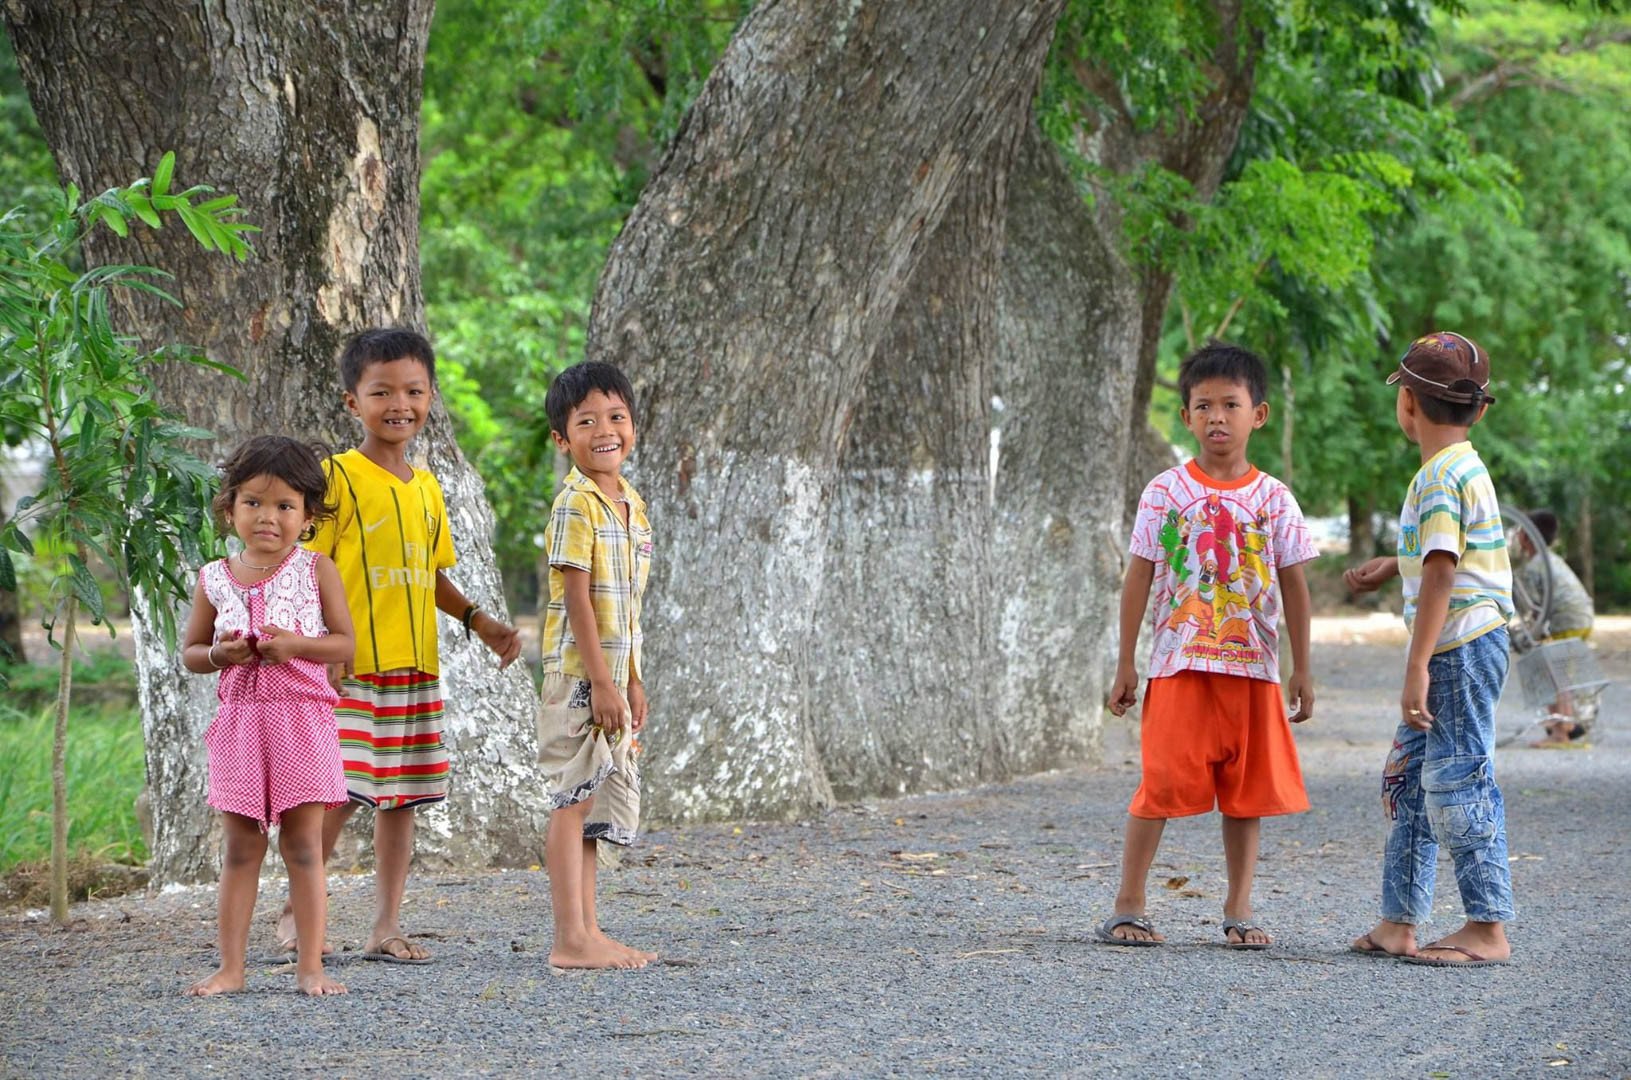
x: 300, y: 841
x: 1241, y: 837
x: 571, y: 865
x: 591, y: 923
x: 393, y: 853
x: 1137, y: 854
x: 240, y: 880
x: 333, y: 824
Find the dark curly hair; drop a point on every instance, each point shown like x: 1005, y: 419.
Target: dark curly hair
x: 298, y: 464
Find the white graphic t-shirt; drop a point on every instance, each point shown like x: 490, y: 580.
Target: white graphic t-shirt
x: 1217, y: 547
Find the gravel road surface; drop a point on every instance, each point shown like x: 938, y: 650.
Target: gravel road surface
x: 946, y: 934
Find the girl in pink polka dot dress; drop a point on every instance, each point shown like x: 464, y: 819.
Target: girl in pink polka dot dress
x: 269, y: 620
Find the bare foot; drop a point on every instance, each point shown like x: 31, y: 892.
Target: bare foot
x: 642, y: 955
x: 222, y: 982
x: 1395, y: 939
x: 317, y: 985
x: 287, y: 940
x: 594, y: 953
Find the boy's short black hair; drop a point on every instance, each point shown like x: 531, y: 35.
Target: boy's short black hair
x: 578, y: 382
x: 1217, y: 360
x: 1449, y: 413
x: 1545, y: 524
x: 381, y: 345
x: 297, y: 464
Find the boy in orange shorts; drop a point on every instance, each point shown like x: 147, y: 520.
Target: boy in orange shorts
x: 1214, y: 536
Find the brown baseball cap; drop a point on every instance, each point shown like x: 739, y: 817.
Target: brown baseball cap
x: 1447, y: 366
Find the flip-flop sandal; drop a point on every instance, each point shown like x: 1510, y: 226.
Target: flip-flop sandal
x: 1473, y: 959
x: 390, y: 958
x: 1139, y: 922
x: 1243, y: 928
x: 1373, y: 949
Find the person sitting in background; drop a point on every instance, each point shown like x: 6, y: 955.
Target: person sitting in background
x: 1571, y: 617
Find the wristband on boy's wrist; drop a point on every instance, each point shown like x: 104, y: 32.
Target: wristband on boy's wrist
x: 468, y: 618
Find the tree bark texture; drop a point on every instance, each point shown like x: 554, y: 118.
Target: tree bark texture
x: 1069, y: 325
x: 311, y: 115
x: 807, y: 300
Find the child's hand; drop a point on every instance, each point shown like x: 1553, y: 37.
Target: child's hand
x: 233, y: 648
x: 1413, y: 702
x: 1124, y: 691
x: 1300, y: 692
x: 277, y: 644
x: 608, y: 707
x: 1372, y: 574
x: 502, y: 638
x: 336, y: 672
x: 637, y: 705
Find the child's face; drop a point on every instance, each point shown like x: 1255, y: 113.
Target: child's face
x: 392, y: 399
x: 599, y: 434
x: 268, y: 515
x: 1221, y: 416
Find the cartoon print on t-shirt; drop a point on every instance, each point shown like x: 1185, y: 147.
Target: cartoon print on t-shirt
x: 1214, y: 613
x: 1175, y: 541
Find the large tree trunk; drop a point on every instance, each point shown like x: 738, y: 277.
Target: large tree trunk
x: 1069, y: 329
x: 902, y: 636
x: 753, y: 296
x: 313, y: 121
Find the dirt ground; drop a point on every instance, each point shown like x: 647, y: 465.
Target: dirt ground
x: 949, y: 933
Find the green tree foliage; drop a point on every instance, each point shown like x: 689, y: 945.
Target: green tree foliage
x: 1547, y: 291
x: 27, y: 175
x: 119, y: 489
x: 542, y: 121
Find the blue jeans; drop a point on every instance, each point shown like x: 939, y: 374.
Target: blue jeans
x: 1439, y: 788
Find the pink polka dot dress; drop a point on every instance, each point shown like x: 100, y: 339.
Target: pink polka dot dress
x: 273, y: 744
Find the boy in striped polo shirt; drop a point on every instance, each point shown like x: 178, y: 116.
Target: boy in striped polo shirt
x: 390, y: 541
x: 1438, y: 784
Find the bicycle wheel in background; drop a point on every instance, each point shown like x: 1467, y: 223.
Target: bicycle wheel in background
x: 1531, y: 581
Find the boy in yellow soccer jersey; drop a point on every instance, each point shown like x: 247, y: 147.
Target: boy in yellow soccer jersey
x: 390, y: 541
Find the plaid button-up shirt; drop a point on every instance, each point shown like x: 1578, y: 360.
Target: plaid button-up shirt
x: 586, y: 533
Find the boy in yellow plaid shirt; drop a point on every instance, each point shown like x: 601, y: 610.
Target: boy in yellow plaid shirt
x: 599, y: 548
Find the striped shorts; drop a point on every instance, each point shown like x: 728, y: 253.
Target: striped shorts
x: 391, y: 739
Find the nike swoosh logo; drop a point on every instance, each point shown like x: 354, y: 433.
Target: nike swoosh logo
x: 370, y: 528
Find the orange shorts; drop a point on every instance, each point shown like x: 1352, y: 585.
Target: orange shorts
x: 1220, y: 739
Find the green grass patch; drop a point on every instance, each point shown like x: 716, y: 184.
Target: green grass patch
x: 105, y: 770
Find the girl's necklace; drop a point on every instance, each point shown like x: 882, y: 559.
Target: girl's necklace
x: 251, y: 566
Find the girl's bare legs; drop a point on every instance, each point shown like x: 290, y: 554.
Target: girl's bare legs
x: 333, y: 823
x: 571, y: 865
x: 591, y: 923
x: 1241, y: 838
x: 240, y: 880
x: 1137, y: 854
x: 300, y: 841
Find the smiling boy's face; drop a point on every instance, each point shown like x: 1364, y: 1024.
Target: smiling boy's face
x: 599, y: 435
x: 392, y: 399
